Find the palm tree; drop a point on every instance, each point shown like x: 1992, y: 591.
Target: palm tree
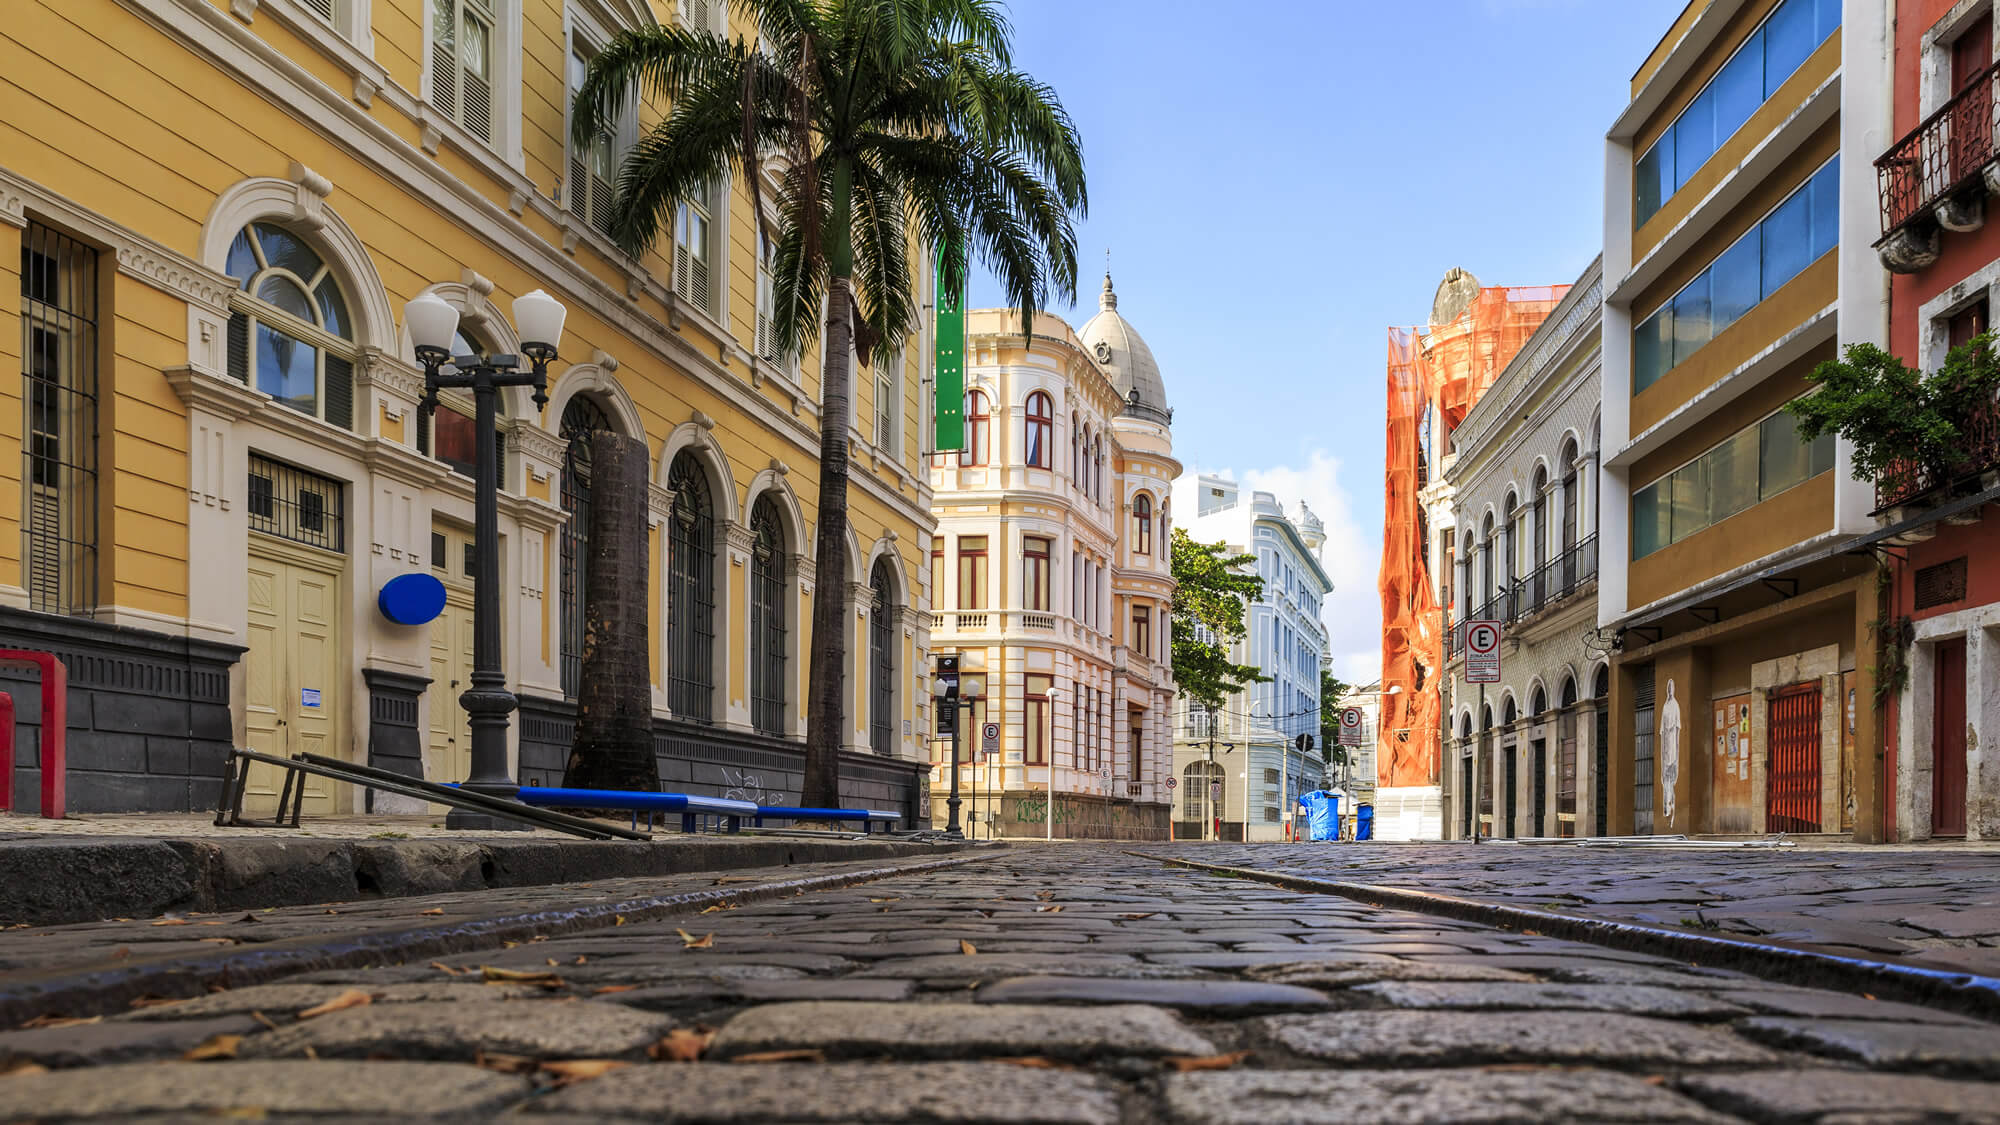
x: 895, y: 118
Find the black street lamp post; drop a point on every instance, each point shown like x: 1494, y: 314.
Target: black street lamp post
x: 433, y: 323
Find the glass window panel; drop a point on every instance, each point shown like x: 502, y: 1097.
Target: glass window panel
x: 455, y: 440
x: 473, y: 50
x: 282, y: 293
x: 1652, y: 348
x: 1738, y: 88
x: 1829, y: 17
x: 332, y: 310
x: 287, y: 369
x: 1789, y: 39
x: 1819, y: 455
x: 443, y: 23
x: 283, y: 251
x: 1732, y: 476
x: 1692, y: 324
x: 242, y: 263
x: 1654, y: 175
x: 1787, y: 238
x: 1734, y: 282
x: 1649, y: 519
x: 1825, y: 192
x: 1786, y: 461
x: 1694, y: 137
x: 1688, y: 500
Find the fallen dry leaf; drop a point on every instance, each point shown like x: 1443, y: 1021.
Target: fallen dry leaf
x: 1045, y: 895
x: 1868, y: 996
x: 803, y: 1054
x: 892, y: 898
x: 568, y: 1072
x: 1654, y: 1080
x: 214, y: 1047
x: 510, y: 945
x: 505, y: 1064
x: 1052, y: 908
x: 551, y: 962
x: 492, y: 974
x: 618, y: 920
x: 1035, y: 1061
x: 721, y: 906
x: 1137, y: 917
x: 432, y: 910
x: 267, y: 1021
x: 156, y: 1001
x: 967, y: 947
x: 248, y: 918
x: 351, y: 998
x: 220, y: 940
x: 60, y: 1021
x: 581, y: 960
x: 986, y: 913
x: 611, y: 988
x: 13, y: 1067
x: 1185, y: 1063
x: 690, y: 941
x: 682, y: 1044
x: 449, y: 970
x: 174, y: 922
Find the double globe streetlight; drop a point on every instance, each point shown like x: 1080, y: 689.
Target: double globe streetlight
x: 433, y: 325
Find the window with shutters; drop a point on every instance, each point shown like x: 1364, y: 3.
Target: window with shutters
x: 691, y: 592
x: 767, y: 299
x: 461, y: 64
x: 888, y: 401
x: 290, y: 335
x: 767, y: 618
x: 694, y: 250
x: 882, y: 653
x: 450, y: 434
x: 700, y: 15
x: 59, y: 318
x: 592, y: 169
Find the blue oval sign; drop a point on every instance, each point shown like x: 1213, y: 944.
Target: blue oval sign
x: 411, y: 599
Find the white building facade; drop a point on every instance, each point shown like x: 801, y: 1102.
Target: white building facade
x: 1255, y: 758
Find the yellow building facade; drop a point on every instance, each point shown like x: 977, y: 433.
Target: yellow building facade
x: 1051, y: 574
x: 211, y: 215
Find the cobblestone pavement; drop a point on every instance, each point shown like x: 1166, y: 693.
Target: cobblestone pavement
x: 1043, y: 984
x: 1932, y: 906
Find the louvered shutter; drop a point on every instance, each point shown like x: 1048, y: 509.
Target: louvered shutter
x: 698, y: 281
x: 239, y: 347
x: 321, y: 8
x: 45, y: 549
x: 478, y: 92
x: 339, y: 392
x: 695, y: 13
x: 444, y: 57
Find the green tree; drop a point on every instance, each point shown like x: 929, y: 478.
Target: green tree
x: 1331, y: 692
x: 895, y: 119
x: 1908, y: 428
x: 1208, y: 609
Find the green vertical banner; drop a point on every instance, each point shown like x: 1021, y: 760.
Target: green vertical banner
x: 948, y: 405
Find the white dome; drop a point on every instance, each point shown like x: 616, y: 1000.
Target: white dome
x: 1125, y: 359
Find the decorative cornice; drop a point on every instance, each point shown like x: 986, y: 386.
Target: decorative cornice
x: 380, y: 369
x: 179, y: 276
x: 660, y: 500
x: 539, y: 444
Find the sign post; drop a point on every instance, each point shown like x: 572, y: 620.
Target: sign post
x: 1350, y: 726
x: 1482, y: 667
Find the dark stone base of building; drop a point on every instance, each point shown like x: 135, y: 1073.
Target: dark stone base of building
x: 1025, y: 815
x: 148, y: 715
x: 714, y: 762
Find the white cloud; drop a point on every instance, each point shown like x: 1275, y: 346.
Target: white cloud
x: 1352, y: 556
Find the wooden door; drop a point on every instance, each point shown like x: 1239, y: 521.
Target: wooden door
x: 1970, y: 139
x: 1731, y: 798
x: 294, y: 673
x: 448, y: 750
x: 1792, y: 802
x: 1948, y: 740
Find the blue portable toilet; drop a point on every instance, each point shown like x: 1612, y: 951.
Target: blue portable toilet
x: 1322, y: 814
x: 1364, y: 822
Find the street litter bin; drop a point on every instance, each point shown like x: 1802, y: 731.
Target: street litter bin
x: 1364, y: 822
x: 1322, y: 814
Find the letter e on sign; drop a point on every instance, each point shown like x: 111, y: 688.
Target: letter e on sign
x: 1482, y: 652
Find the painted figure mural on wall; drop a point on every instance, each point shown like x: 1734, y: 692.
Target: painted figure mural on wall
x: 1670, y: 751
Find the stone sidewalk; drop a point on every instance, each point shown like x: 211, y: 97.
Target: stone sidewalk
x: 1042, y: 984
x: 1933, y: 905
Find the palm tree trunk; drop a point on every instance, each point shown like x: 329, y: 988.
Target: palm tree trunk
x: 829, y: 634
x: 614, y: 700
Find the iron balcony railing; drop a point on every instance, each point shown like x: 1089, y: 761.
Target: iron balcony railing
x: 1557, y: 579
x: 1941, y: 155
x: 1979, y: 444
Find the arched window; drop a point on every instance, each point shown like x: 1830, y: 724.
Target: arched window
x: 1486, y: 717
x: 978, y: 428
x: 882, y: 656
x: 690, y: 592
x: 1485, y: 562
x: 1509, y: 559
x: 1195, y: 780
x: 1075, y: 448
x: 581, y: 418
x: 1540, y: 502
x: 767, y: 618
x: 1465, y: 727
x: 1538, y: 702
x: 290, y: 335
x: 1142, y: 524
x: 1569, y: 497
x: 451, y: 434
x: 1568, y: 696
x: 1041, y: 430
x: 1097, y: 467
x: 1507, y: 714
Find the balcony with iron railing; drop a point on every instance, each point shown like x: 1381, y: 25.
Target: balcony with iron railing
x: 1528, y: 598
x: 1909, y: 483
x: 1936, y: 176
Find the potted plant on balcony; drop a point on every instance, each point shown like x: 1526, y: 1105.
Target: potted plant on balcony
x: 1913, y: 434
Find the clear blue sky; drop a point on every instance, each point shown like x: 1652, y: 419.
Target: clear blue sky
x: 1279, y: 181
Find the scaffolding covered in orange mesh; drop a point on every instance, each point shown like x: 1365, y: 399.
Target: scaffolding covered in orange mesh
x: 1436, y: 374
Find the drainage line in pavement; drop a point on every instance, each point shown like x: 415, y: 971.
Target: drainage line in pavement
x: 103, y: 990
x: 1963, y: 992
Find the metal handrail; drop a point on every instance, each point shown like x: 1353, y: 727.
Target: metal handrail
x: 1933, y: 160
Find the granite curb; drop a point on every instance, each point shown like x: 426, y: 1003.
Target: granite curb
x: 1962, y: 992
x: 54, y: 881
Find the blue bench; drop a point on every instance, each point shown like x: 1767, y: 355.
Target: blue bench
x: 691, y: 808
x: 868, y: 817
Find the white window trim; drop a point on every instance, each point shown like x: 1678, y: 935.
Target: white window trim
x: 1934, y: 75
x: 505, y: 62
x: 579, y: 27
x: 1933, y: 316
x: 350, y: 30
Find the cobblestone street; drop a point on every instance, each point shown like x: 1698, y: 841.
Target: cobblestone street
x: 1067, y: 983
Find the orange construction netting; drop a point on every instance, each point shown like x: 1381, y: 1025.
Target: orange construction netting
x: 1436, y: 374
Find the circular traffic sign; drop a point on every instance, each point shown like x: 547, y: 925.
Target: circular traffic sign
x: 1351, y: 718
x: 1171, y: 782
x: 1483, y: 638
